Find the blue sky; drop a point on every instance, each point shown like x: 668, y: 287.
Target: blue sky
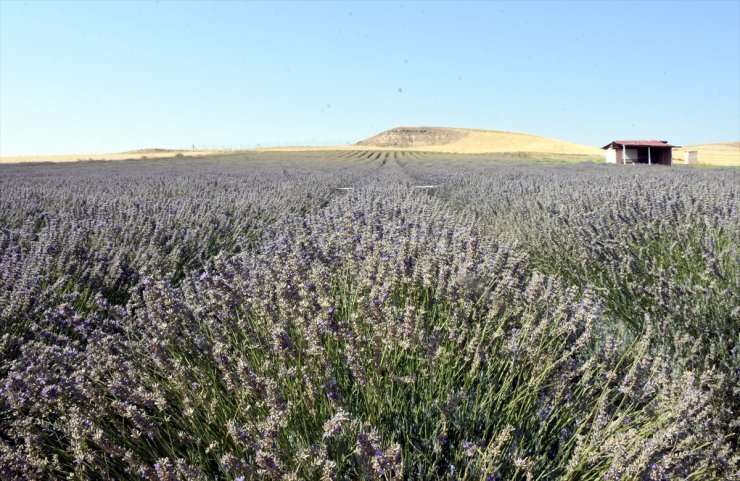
x: 107, y: 76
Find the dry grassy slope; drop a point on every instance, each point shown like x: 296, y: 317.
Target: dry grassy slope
x: 134, y: 154
x: 471, y: 141
x: 726, y: 153
x: 437, y: 139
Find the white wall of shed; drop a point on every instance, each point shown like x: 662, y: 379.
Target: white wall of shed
x: 611, y: 155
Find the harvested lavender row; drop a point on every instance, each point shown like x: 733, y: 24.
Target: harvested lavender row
x: 245, y: 318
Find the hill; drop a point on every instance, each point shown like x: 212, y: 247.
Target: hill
x: 433, y: 139
x: 132, y: 154
x: 725, y: 153
x: 472, y: 141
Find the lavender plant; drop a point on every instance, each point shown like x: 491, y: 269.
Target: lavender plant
x: 317, y: 316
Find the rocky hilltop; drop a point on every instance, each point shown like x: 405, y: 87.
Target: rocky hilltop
x: 405, y: 137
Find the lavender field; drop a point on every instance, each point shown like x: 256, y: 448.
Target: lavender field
x: 320, y: 316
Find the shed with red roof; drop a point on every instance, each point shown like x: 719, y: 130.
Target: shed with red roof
x: 639, y: 152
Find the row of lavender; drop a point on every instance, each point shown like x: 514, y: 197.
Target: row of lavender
x: 661, y: 246
x: 245, y: 319
x: 98, y: 228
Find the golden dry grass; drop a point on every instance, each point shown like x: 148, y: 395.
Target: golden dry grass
x: 726, y: 154
x: 490, y: 141
x: 485, y: 142
x: 139, y: 154
x: 472, y: 142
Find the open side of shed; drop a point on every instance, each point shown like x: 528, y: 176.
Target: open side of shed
x: 658, y: 152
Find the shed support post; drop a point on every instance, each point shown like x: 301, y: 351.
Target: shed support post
x: 649, y: 159
x: 624, y: 155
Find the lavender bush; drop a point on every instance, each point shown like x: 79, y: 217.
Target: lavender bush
x: 319, y: 316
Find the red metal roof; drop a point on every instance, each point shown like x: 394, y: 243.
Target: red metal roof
x: 638, y: 143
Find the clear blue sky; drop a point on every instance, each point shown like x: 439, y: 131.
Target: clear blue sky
x: 105, y: 76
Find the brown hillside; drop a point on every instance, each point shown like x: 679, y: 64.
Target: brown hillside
x: 472, y: 141
x: 406, y: 137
